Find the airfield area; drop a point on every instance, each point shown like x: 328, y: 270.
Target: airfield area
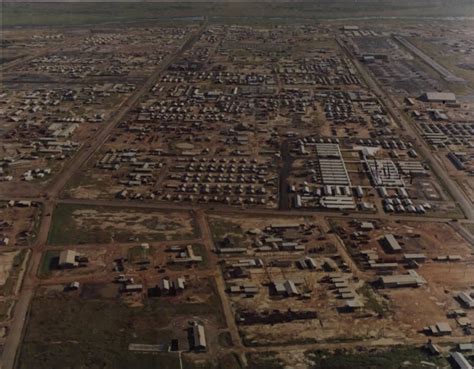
x: 207, y: 190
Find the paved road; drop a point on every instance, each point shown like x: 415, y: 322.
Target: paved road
x: 23, y: 60
x: 223, y: 209
x: 418, y: 141
x: 51, y: 197
x: 17, y: 324
x: 220, y: 284
x: 91, y: 147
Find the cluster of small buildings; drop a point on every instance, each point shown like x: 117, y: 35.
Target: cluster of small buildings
x: 285, y: 288
x: 30, y: 175
x: 168, y: 287
x: 276, y: 237
x: 231, y: 181
x: 184, y: 255
x: 462, y: 161
x: 443, y: 135
x: 354, y: 109
x: 342, y: 288
x: 40, y: 125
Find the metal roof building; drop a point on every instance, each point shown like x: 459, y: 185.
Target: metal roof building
x: 338, y: 202
x: 331, y: 165
x: 466, y: 300
x: 199, y: 338
x: 442, y: 97
x: 391, y: 243
x: 412, y: 279
x: 67, y: 259
x: 460, y: 361
x: 290, y: 288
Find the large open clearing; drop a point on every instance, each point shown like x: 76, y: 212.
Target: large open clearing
x: 55, y: 340
x: 76, y: 224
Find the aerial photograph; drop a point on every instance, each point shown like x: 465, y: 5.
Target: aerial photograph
x: 237, y: 184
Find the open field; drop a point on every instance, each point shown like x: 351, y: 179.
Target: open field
x: 236, y: 185
x: 387, y: 358
x: 81, y: 224
x: 94, y: 13
x: 114, y: 325
x: 394, y: 358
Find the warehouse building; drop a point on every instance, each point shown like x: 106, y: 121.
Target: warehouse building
x: 439, y: 329
x: 391, y: 244
x: 412, y: 279
x: 466, y: 300
x: 439, y: 97
x: 338, y: 202
x: 331, y: 165
x: 384, y: 172
x: 199, y: 338
x: 67, y: 259
x: 459, y: 361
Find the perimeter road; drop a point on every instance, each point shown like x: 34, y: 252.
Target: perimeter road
x: 92, y: 146
x: 18, y: 323
x: 421, y: 145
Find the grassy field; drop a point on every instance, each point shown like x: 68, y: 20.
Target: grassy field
x: 266, y: 360
x: 5, y: 307
x: 374, y: 303
x: 442, y: 55
x: 47, y: 262
x: 139, y: 254
x: 65, y: 331
x: 394, y: 358
x: 221, y: 228
x: 30, y: 14
x: 71, y: 226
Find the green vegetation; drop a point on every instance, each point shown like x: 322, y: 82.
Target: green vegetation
x: 221, y: 228
x: 48, y: 260
x: 225, y: 339
x: 374, y: 302
x: 227, y: 361
x: 263, y: 342
x: 85, y: 179
x: 64, y: 230
x: 139, y: 254
x: 394, y: 358
x: 199, y: 250
x: 5, y: 307
x: 469, y: 227
x: 265, y: 360
x: 36, y: 226
x: 36, y: 222
x: 82, y: 224
x: 445, y: 57
x: 65, y: 331
x: 230, y: 361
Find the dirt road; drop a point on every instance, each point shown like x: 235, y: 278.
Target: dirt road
x: 18, y: 323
